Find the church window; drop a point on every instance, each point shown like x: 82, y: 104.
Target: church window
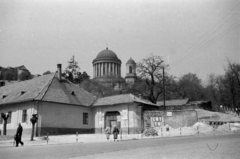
x: 24, y: 116
x: 130, y: 69
x: 85, y: 118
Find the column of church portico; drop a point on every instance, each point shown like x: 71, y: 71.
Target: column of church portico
x: 117, y: 69
x: 93, y: 71
x: 102, y: 69
x: 109, y: 67
x: 98, y: 69
x: 114, y: 68
x: 96, y: 65
x: 120, y: 70
x: 106, y: 68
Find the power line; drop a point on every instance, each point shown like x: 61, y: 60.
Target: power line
x: 208, y: 32
x: 210, y: 42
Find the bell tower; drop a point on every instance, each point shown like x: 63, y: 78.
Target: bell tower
x: 131, y: 71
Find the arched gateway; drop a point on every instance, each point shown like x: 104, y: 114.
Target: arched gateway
x: 112, y: 118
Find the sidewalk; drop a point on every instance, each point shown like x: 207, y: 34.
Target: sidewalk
x: 93, y: 138
x: 67, y: 139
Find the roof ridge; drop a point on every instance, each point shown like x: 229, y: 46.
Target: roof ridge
x: 47, y: 85
x: 116, y: 95
x: 79, y: 87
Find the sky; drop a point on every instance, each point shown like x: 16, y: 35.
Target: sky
x: 196, y: 36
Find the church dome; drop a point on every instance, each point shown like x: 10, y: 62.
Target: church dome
x: 107, y: 55
x: 131, y: 61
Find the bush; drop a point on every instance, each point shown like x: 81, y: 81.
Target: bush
x: 150, y: 132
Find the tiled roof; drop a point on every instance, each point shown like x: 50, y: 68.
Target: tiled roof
x: 67, y: 92
x: 119, y: 99
x: 45, y: 88
x: 173, y: 102
x: 32, y: 88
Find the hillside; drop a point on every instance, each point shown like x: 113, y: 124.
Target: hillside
x: 204, y: 115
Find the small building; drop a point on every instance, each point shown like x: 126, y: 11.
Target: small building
x: 61, y: 106
x: 64, y: 108
x: 124, y: 110
x: 19, y: 73
x: 176, y: 104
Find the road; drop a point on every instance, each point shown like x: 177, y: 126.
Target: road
x: 219, y: 146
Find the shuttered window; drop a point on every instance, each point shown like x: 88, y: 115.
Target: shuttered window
x: 24, y: 116
x: 85, y: 118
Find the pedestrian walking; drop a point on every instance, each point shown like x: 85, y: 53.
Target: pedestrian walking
x: 115, y: 133
x: 107, y: 132
x: 18, y: 136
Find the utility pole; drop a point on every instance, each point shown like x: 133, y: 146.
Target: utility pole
x: 163, y: 88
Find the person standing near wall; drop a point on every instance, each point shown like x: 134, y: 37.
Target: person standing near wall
x: 108, y: 132
x: 18, y: 136
x: 115, y: 133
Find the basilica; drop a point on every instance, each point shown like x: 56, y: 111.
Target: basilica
x: 107, y: 70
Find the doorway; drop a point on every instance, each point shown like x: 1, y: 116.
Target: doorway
x: 112, y: 119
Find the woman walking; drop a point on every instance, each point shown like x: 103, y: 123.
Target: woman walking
x: 115, y: 133
x: 108, y: 132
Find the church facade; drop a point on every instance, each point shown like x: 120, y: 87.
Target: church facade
x: 107, y: 69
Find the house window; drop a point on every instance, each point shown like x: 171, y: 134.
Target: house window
x: 85, y: 118
x: 24, y: 116
x: 9, y: 118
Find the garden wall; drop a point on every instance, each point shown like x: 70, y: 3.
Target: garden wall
x: 175, y: 119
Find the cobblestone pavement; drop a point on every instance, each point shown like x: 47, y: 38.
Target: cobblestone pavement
x: 218, y: 146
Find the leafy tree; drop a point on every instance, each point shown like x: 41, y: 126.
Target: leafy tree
x: 189, y: 86
x: 73, y: 74
x: 99, y: 90
x: 47, y: 72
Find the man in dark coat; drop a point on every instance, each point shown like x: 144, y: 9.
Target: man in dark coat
x: 18, y: 136
x: 115, y: 133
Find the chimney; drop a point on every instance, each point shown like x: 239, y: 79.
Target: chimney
x: 59, y: 71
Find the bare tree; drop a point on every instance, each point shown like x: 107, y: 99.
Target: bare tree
x: 149, y: 71
x: 235, y: 69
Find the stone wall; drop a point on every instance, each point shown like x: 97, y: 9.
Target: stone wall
x: 174, y: 119
x: 62, y: 131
